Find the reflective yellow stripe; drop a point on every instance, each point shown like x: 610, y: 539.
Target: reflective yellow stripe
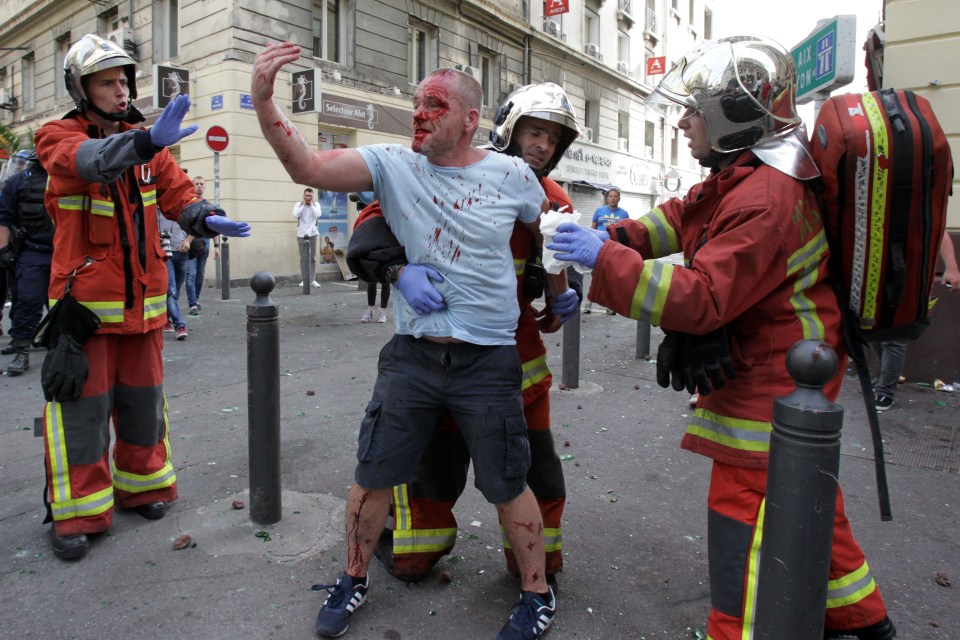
x: 534, y: 371
x: 160, y: 479
x: 663, y: 238
x: 71, y: 203
x: 807, y: 261
x: 423, y: 540
x: 91, y: 505
x: 518, y: 266
x: 552, y: 539
x: 149, y: 197
x: 737, y: 433
x: 101, y: 208
x: 401, y: 508
x: 57, y: 452
x: 110, y: 311
x: 851, y: 588
x: 154, y: 306
x: 753, y: 572
x: 878, y: 207
x: 651, y: 292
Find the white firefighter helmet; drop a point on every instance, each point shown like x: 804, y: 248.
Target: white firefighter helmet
x: 546, y: 101
x: 743, y: 86
x: 92, y: 54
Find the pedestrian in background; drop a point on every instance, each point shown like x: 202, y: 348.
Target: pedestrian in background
x: 197, y: 263
x: 607, y: 214
x: 26, y: 246
x: 307, y: 212
x: 893, y: 353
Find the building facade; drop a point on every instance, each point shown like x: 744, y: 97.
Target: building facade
x: 365, y: 58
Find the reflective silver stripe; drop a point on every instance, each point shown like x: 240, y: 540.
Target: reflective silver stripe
x: 534, y: 371
x: 651, y: 292
x: 663, y: 239
x: 90, y: 505
x: 747, y: 435
x: 58, y: 453
x: 137, y: 484
x: 101, y: 208
x: 154, y: 306
x: 423, y: 540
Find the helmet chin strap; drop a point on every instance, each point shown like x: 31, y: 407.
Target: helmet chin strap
x: 131, y: 115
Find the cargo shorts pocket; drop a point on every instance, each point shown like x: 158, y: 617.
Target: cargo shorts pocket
x: 516, y: 461
x: 365, y: 445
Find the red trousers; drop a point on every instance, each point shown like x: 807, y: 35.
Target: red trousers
x: 735, y: 503
x: 425, y: 528
x: 125, y: 386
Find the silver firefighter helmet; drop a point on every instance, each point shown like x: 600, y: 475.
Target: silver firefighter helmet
x: 546, y: 101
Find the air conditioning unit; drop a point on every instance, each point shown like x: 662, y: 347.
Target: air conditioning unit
x: 4, y: 96
x: 551, y: 28
x: 648, y: 153
x: 623, y: 145
x: 473, y: 72
x: 592, y: 50
x: 624, y: 67
x: 588, y: 134
x: 121, y: 37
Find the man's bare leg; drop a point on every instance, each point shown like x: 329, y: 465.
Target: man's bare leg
x: 523, y: 525
x: 367, y: 511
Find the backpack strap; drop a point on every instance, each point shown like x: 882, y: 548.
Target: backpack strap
x: 855, y: 347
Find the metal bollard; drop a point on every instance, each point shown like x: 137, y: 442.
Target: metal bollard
x: 225, y: 268
x: 305, y: 264
x: 570, y: 374
x: 643, y: 340
x: 801, y: 500
x: 263, y: 401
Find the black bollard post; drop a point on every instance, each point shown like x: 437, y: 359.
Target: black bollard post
x: 263, y: 401
x: 225, y: 268
x: 643, y: 340
x: 305, y: 264
x: 801, y: 499
x: 570, y: 374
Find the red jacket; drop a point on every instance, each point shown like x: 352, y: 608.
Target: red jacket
x: 107, y: 210
x: 755, y: 246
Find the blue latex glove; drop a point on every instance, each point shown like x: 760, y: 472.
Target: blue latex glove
x: 227, y: 227
x: 166, y: 130
x: 416, y: 286
x: 576, y: 244
x: 600, y: 233
x: 565, y: 305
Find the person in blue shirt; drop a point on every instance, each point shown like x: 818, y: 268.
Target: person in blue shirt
x: 607, y: 214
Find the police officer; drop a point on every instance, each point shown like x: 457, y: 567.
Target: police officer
x: 26, y: 237
x: 7, y: 284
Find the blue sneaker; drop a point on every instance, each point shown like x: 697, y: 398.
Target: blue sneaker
x: 530, y: 617
x: 334, y: 617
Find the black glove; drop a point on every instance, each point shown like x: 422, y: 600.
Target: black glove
x: 706, y: 361
x: 669, y: 364
x: 66, y: 317
x: 8, y: 259
x: 64, y: 371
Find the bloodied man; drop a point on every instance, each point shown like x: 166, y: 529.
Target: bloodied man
x: 453, y: 208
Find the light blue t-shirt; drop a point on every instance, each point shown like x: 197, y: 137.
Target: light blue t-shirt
x: 605, y: 215
x: 458, y: 220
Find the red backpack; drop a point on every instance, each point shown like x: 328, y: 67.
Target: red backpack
x: 886, y: 176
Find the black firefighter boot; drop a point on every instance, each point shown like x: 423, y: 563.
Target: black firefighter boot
x: 20, y: 364
x: 883, y: 630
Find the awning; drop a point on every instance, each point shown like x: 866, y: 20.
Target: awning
x: 599, y: 186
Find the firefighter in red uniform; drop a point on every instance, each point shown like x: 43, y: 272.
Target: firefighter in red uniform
x: 754, y: 282
x: 109, y: 280
x: 538, y: 124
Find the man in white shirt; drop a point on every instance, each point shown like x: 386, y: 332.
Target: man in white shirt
x: 307, y: 212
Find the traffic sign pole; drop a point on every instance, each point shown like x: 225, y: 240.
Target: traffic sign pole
x: 217, y: 140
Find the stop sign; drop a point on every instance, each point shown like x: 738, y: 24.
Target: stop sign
x: 217, y: 139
